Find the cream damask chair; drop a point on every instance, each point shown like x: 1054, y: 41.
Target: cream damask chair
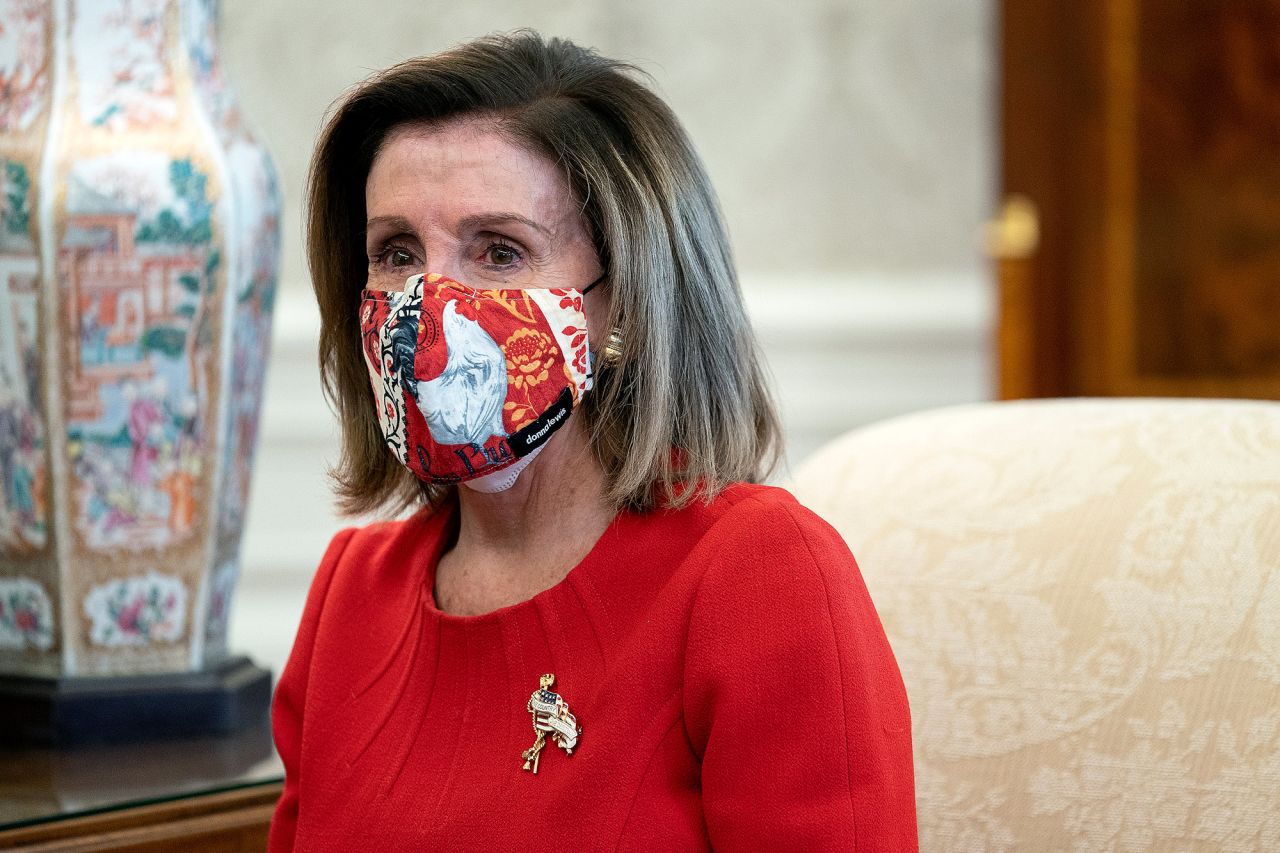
x: 1084, y: 600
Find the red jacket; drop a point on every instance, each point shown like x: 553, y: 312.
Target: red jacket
x: 730, y: 677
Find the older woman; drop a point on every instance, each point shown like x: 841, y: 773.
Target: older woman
x: 594, y: 632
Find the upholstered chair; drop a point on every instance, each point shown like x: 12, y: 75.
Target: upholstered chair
x: 1084, y: 599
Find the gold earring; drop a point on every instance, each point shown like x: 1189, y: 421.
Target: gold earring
x: 611, y: 353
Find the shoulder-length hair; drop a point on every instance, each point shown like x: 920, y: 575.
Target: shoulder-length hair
x: 682, y: 409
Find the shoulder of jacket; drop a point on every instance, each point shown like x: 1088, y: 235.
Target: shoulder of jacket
x: 766, y: 549
x: 753, y: 511
x: 368, y: 545
x: 366, y: 535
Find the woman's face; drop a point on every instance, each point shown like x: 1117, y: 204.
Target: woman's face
x: 461, y: 200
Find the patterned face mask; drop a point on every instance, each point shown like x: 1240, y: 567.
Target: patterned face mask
x: 470, y: 384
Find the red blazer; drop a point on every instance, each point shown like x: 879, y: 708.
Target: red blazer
x: 732, y: 684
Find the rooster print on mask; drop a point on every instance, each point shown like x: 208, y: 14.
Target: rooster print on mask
x: 469, y: 381
x: 465, y: 401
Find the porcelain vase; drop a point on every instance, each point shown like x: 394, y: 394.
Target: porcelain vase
x: 138, y: 256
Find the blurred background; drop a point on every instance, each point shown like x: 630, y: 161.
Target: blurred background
x: 932, y: 202
x: 853, y: 144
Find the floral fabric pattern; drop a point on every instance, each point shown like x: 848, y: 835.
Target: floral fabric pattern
x: 530, y: 354
x: 469, y: 381
x: 1084, y: 600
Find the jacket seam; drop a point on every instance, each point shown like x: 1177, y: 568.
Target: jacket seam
x: 835, y: 645
x: 676, y: 698
x: 693, y: 609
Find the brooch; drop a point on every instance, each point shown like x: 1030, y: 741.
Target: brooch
x: 550, y: 716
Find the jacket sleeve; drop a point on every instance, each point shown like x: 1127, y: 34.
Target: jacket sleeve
x: 793, y: 699
x: 288, y: 704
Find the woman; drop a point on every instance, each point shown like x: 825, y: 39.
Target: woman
x: 594, y: 632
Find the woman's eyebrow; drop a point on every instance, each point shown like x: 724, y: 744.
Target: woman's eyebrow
x: 480, y: 219
x: 399, y: 223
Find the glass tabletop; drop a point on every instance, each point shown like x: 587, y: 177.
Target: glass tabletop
x: 44, y: 784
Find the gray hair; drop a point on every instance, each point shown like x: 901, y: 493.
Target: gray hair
x: 681, y: 409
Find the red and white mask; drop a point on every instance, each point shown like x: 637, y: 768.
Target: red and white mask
x: 470, y: 384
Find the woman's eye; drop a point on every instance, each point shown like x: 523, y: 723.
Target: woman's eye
x: 501, y: 255
x: 393, y: 257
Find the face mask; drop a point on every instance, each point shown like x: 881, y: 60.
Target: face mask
x: 471, y: 384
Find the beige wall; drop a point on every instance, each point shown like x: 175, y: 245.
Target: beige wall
x: 841, y: 134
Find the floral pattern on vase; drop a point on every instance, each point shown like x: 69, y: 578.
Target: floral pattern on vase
x: 222, y: 586
x: 24, y: 63
x: 23, y: 473
x: 125, y: 70
x: 254, y: 186
x: 26, y: 614
x: 137, y: 611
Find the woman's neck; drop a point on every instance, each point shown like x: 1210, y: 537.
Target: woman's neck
x: 513, y: 544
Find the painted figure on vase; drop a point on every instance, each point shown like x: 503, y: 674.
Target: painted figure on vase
x: 23, y: 476
x: 138, y: 263
x: 143, y: 338
x: 23, y: 63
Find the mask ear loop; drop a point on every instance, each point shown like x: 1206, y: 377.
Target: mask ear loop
x: 590, y: 358
x: 613, y: 346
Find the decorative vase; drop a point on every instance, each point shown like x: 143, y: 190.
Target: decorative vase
x: 138, y: 256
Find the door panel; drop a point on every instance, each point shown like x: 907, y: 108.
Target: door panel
x: 1147, y: 136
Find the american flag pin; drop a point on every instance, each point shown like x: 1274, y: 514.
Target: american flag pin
x: 551, y: 716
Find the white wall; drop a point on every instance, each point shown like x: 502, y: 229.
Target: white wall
x: 851, y: 143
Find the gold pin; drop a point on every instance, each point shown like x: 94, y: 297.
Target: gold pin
x: 550, y: 714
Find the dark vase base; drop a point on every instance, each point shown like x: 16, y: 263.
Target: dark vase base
x: 67, y: 711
